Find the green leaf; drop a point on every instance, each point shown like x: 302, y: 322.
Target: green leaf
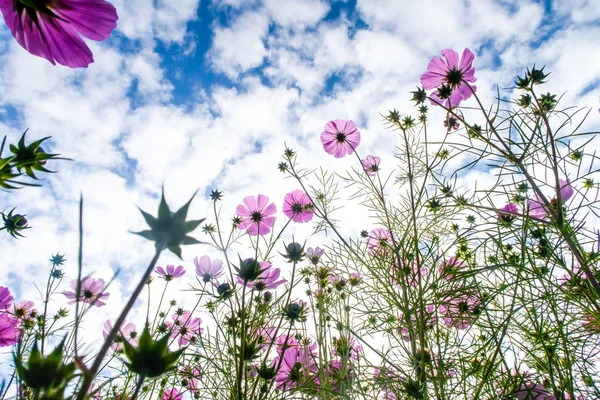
x: 150, y: 220
x: 145, y: 234
x: 189, y: 226
x: 176, y: 250
x: 163, y: 209
x: 190, y: 240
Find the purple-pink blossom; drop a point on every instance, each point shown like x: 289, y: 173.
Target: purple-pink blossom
x: 24, y: 309
x: 538, y: 210
x: 297, y: 206
x: 268, y: 278
x: 208, y: 269
x: 186, y: 327
x: 297, y: 365
x: 258, y: 217
x: 170, y: 272
x: 92, y: 292
x: 127, y: 332
x: 9, y: 330
x: 508, y: 213
x: 51, y: 28
x: 340, y: 137
x: 6, y: 298
x: 452, y: 72
x: 371, y: 164
x: 172, y: 394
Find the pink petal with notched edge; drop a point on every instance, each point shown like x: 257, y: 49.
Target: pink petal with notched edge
x: 466, y: 65
x: 64, y: 44
x: 566, y: 190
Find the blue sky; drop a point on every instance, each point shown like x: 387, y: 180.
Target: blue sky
x: 203, y: 95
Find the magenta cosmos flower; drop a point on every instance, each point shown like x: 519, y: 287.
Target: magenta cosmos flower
x: 297, y: 206
x: 371, y: 164
x: 171, y: 272
x: 9, y: 330
x: 314, y: 255
x: 257, y: 217
x: 6, y: 298
x: 186, y: 327
x: 508, y: 213
x: 460, y: 310
x: 52, y: 28
x: 92, y: 292
x: 532, y: 391
x: 172, y: 394
x: 537, y: 208
x: 452, y: 73
x: 207, y: 269
x: 340, y: 137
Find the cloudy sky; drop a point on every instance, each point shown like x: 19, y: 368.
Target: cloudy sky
x: 203, y: 94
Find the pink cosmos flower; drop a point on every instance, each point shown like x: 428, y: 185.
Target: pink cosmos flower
x: 297, y: 206
x: 297, y: 366
x: 537, y: 208
x: 508, y: 213
x: 314, y: 255
x: 9, y: 330
x: 371, y: 164
x: 186, y: 327
x: 24, y: 309
x: 460, y: 310
x: 340, y: 137
x: 172, y: 394
x: 207, y: 269
x: 92, y: 291
x: 379, y: 241
x: 408, y: 272
x: 51, y: 28
x: 532, y: 391
x: 449, y: 268
x: 453, y: 73
x: 171, y: 272
x: 6, y: 298
x: 429, y: 321
x: 257, y: 217
x: 127, y: 332
x: 268, y: 278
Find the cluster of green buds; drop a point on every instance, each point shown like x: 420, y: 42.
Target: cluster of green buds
x: 46, y: 376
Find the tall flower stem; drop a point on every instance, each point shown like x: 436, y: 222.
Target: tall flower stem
x: 89, y: 376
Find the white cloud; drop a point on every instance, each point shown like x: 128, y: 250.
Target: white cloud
x: 241, y: 46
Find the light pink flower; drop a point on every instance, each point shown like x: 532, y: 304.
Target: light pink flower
x: 92, y: 291
x: 379, y: 241
x: 51, y: 28
x: 127, y: 332
x: 371, y: 164
x: 186, y: 327
x: 297, y: 206
x: 171, y: 272
x: 532, y: 391
x: 314, y: 255
x: 207, y: 269
x: 452, y: 72
x: 538, y: 210
x: 340, y: 137
x: 24, y: 309
x: 257, y: 217
x: 297, y: 366
x: 9, y: 330
x: 268, y: 278
x: 449, y: 268
x: 460, y: 310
